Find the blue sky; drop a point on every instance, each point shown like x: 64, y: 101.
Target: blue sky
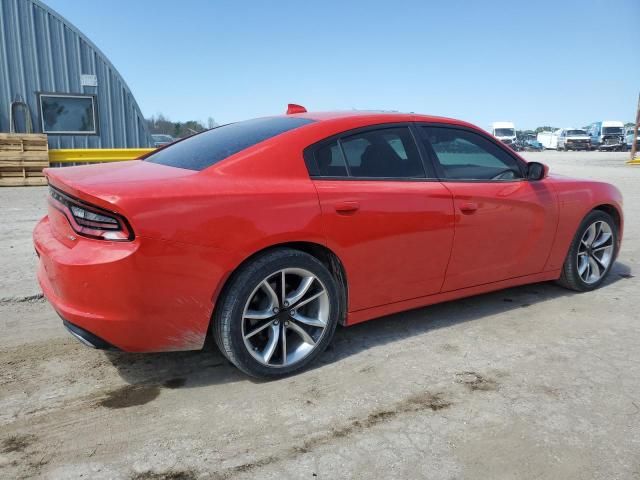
x: 564, y: 63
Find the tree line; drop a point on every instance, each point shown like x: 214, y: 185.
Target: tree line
x: 163, y: 125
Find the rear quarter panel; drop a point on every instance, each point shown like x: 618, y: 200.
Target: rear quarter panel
x: 247, y: 203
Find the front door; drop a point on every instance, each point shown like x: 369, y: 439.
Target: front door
x: 505, y: 224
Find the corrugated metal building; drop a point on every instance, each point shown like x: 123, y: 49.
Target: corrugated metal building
x: 71, y: 90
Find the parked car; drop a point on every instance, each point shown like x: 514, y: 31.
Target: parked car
x: 607, y: 135
x: 504, y: 131
x: 628, y: 139
x: 160, y: 140
x: 573, y: 139
x: 267, y: 233
x: 532, y: 145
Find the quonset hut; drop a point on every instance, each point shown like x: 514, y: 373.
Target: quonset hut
x: 54, y: 80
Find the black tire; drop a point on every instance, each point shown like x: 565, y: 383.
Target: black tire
x: 228, y: 315
x: 570, y: 277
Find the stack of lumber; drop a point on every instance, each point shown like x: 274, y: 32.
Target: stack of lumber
x: 22, y: 158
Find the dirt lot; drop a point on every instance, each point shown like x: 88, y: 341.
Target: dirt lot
x: 531, y: 382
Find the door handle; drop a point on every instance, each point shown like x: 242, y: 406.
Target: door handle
x: 347, y: 208
x: 469, y: 207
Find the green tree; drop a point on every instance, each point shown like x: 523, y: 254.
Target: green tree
x: 161, y: 124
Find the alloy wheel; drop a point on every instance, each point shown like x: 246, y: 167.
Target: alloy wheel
x: 285, y: 317
x: 595, y: 252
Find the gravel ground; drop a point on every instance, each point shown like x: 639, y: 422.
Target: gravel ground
x: 531, y: 382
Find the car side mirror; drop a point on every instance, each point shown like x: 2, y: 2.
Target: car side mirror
x: 536, y: 171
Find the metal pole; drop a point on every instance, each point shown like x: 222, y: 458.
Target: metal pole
x: 634, y: 142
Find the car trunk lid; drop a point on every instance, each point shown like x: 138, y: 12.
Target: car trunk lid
x: 106, y: 183
x: 114, y: 187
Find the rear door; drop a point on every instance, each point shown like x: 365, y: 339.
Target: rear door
x: 389, y: 220
x: 505, y: 225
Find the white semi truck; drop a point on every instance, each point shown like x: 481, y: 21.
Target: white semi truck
x: 504, y: 131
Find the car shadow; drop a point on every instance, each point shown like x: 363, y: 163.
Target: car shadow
x: 209, y: 367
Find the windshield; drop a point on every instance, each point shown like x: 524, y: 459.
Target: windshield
x: 576, y: 132
x: 205, y: 149
x: 504, y: 132
x: 611, y: 130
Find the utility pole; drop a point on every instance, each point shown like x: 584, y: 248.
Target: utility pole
x: 634, y: 142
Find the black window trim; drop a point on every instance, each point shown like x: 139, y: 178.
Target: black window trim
x: 430, y: 152
x: 314, y: 171
x: 96, y: 113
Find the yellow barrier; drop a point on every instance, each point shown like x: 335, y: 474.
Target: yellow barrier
x: 93, y: 155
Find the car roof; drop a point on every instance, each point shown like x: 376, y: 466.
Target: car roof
x: 383, y: 114
x: 373, y: 117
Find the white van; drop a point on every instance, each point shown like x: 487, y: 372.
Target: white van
x: 504, y: 131
x: 573, y: 139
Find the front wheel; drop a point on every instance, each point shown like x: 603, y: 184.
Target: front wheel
x: 592, y: 253
x: 277, y: 314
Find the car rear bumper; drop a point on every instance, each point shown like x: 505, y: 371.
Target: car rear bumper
x: 86, y: 337
x: 137, y: 296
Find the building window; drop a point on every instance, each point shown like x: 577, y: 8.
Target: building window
x: 63, y: 114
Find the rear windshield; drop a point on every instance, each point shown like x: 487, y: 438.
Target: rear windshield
x: 208, y: 148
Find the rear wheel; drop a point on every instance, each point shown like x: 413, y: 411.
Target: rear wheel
x: 592, y: 253
x: 278, y: 313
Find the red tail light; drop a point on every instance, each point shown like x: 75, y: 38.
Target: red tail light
x: 89, y: 220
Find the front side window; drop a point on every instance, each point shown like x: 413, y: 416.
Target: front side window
x: 68, y: 114
x: 383, y: 153
x: 208, y: 148
x: 465, y: 155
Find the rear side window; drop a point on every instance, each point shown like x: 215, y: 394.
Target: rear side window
x: 384, y: 153
x: 331, y: 161
x: 208, y: 148
x: 381, y: 153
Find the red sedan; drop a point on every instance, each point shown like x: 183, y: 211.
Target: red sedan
x: 267, y: 233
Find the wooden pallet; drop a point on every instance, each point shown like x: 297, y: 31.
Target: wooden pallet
x: 23, y: 156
